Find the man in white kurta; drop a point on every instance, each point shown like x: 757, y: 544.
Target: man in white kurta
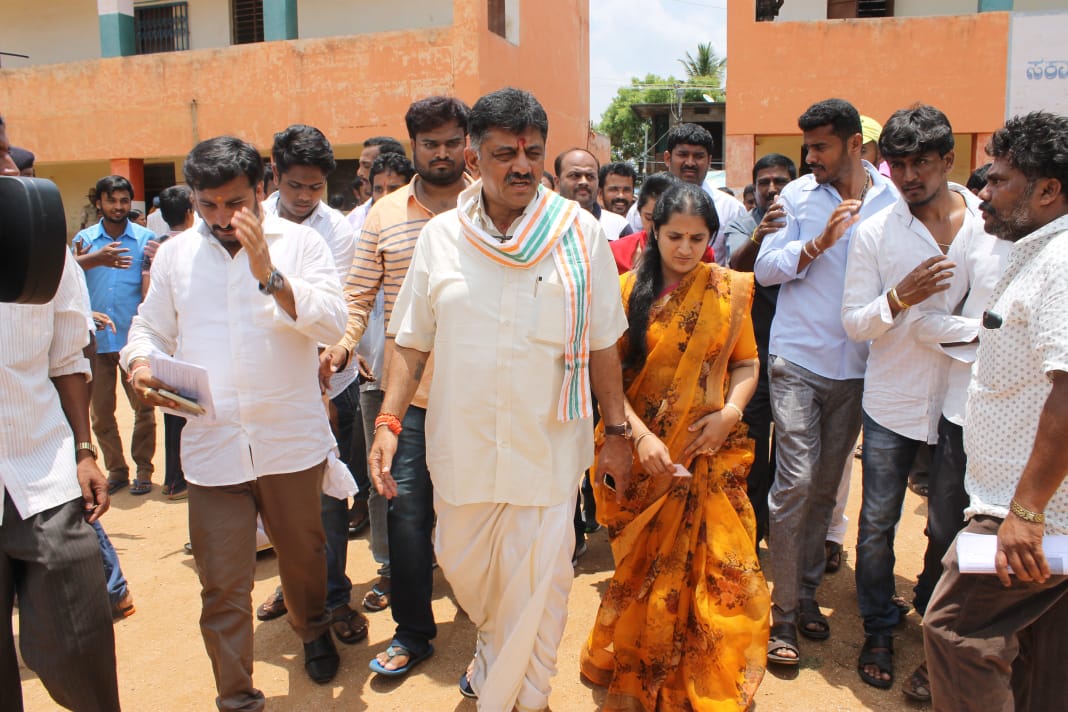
x: 504, y: 458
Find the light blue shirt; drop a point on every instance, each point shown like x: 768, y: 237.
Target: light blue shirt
x: 114, y: 291
x: 807, y: 329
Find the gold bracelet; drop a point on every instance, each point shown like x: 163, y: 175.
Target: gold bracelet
x: 897, y: 299
x: 804, y: 248
x: 736, y: 409
x: 752, y: 238
x: 1026, y: 514
x: 87, y: 446
x: 639, y: 438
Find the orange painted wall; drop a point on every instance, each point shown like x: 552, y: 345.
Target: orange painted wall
x: 778, y: 69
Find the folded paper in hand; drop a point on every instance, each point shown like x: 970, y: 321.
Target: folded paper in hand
x: 976, y: 552
x: 187, y: 379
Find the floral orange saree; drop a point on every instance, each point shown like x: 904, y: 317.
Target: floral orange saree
x: 683, y: 624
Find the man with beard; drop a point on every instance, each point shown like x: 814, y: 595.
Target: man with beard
x: 617, y: 182
x: 372, y: 149
x: 303, y: 159
x: 577, y: 172
x: 771, y: 173
x: 248, y: 297
x: 437, y: 127
x: 998, y: 644
x: 897, y: 260
x: 815, y: 371
x: 112, y: 253
x: 515, y: 292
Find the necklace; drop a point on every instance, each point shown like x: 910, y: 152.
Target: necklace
x: 867, y: 184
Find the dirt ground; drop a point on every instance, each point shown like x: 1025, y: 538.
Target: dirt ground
x: 163, y: 666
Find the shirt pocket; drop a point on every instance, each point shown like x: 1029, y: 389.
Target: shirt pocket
x: 549, y: 319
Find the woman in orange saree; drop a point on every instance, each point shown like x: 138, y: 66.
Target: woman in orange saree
x: 683, y: 624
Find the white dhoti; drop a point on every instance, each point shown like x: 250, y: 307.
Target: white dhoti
x: 510, y: 569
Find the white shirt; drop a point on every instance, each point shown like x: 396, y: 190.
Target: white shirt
x: 206, y: 308
x: 39, y: 342
x: 341, y: 239
x: 497, y: 334
x: 953, y: 316
x: 728, y: 208
x: 904, y: 381
x: 612, y: 223
x: 1012, y: 373
x: 358, y: 215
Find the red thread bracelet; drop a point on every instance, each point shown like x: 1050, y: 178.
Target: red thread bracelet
x: 390, y: 421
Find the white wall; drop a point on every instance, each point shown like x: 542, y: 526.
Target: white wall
x: 1037, y: 5
x: 51, y: 31
x: 330, y: 18
x: 209, y: 23
x: 817, y: 9
x: 802, y: 10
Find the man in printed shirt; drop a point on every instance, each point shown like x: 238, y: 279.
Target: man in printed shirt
x: 112, y: 253
x: 437, y: 127
x: 815, y: 371
x: 50, y: 486
x: 998, y: 643
x: 248, y: 298
x: 488, y: 293
x: 897, y: 261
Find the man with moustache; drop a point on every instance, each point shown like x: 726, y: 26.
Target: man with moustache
x: 617, y: 181
x: 577, y: 172
x: 771, y: 173
x: 897, y: 260
x: 372, y: 149
x: 112, y: 253
x: 815, y: 371
x: 248, y: 297
x: 516, y: 293
x: 688, y: 157
x: 998, y: 643
x: 402, y: 525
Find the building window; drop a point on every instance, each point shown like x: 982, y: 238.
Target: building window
x: 843, y: 9
x: 162, y: 28
x: 504, y: 19
x: 246, y: 21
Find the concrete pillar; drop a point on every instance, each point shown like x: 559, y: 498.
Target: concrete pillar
x: 133, y: 169
x: 738, y: 156
x: 995, y: 6
x: 116, y: 28
x: 279, y: 20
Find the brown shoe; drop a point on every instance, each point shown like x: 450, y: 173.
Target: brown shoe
x: 273, y: 607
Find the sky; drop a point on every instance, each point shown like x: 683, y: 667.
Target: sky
x: 632, y: 38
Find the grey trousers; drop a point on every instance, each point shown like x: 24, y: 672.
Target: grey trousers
x: 817, y: 421
x: 52, y: 561
x: 996, y: 649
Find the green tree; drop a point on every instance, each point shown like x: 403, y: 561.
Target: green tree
x: 704, y: 75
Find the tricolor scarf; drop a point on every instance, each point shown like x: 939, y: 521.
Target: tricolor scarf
x: 551, y: 225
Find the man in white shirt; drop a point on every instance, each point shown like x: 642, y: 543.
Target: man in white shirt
x: 491, y: 290
x: 372, y: 149
x: 998, y: 643
x: 303, y: 159
x: 247, y: 297
x: 577, y: 176
x: 688, y: 157
x: 897, y: 261
x: 50, y: 486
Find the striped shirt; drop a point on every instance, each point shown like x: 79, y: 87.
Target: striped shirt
x: 37, y: 343
x: 383, y: 254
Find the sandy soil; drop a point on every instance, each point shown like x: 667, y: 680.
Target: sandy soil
x: 163, y: 666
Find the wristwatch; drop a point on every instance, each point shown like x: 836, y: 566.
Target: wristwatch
x: 275, y: 280
x: 87, y: 446
x: 623, y: 430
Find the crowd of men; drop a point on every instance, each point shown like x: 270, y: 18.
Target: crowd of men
x: 890, y: 301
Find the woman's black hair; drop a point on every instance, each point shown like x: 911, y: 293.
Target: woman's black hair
x: 681, y: 198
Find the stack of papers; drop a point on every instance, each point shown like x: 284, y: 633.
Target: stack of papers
x: 187, y: 379
x: 975, y: 553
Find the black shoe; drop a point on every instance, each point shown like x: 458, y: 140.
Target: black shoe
x: 593, y: 526
x: 579, y: 551
x: 321, y: 659
x: 359, y: 517
x: 465, y: 688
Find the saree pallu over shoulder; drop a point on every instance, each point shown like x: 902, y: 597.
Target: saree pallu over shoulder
x: 684, y: 621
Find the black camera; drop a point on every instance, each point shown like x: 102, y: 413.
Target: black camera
x: 33, y: 237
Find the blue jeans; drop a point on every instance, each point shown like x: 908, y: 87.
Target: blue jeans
x: 886, y: 460
x: 411, y: 552
x: 377, y: 505
x: 112, y: 571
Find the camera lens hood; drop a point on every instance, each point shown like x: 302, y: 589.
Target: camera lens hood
x: 33, y: 237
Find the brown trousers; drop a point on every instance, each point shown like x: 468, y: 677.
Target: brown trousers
x: 222, y: 530
x: 996, y: 649
x: 102, y: 408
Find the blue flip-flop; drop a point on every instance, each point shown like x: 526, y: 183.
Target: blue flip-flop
x: 393, y: 651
